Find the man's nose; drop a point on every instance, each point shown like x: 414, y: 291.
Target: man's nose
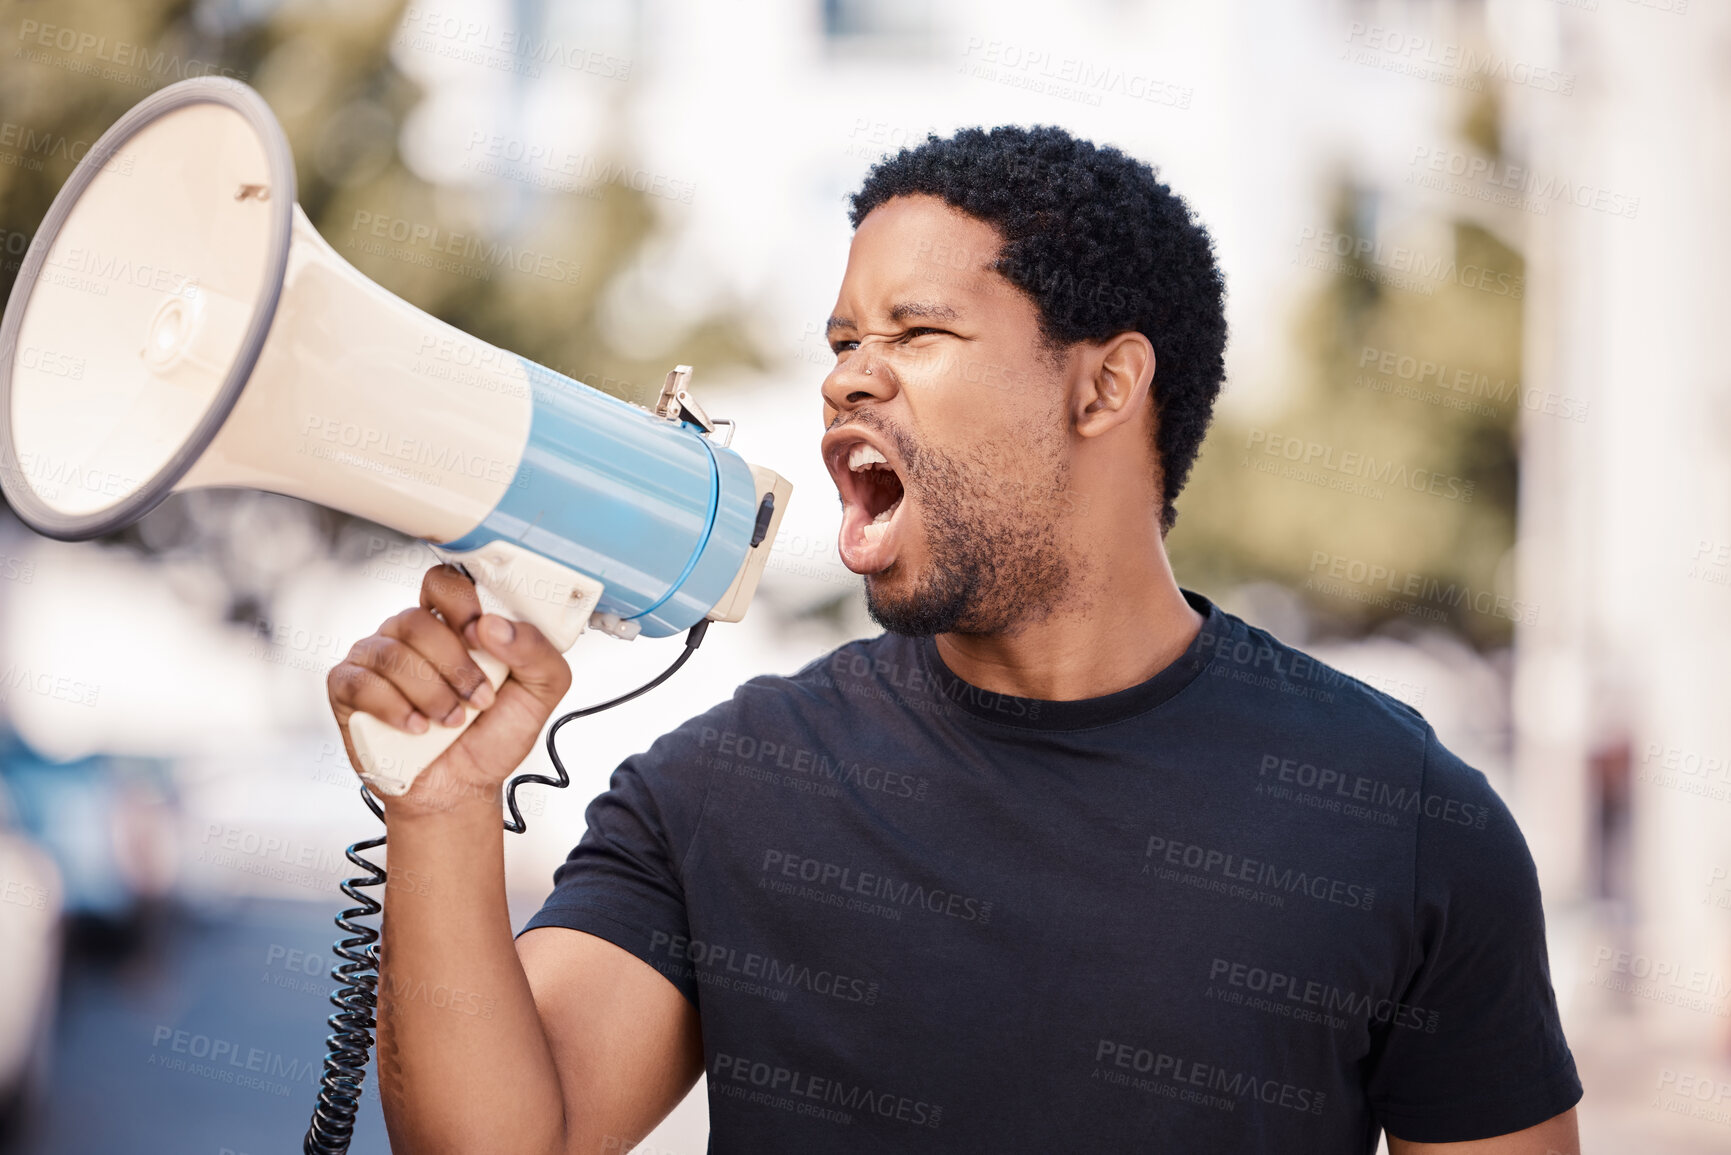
x: 861, y: 377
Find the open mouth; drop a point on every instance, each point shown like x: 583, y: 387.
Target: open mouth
x: 878, y: 488
x: 872, y: 495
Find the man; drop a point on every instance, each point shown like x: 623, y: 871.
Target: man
x: 1068, y: 859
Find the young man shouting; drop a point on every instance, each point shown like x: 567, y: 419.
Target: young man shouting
x: 1067, y: 859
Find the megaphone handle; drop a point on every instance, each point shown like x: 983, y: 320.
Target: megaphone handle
x: 391, y: 759
x: 511, y: 581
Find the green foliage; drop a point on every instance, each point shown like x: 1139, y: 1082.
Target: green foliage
x: 1372, y: 522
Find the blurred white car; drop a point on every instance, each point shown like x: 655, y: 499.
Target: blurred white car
x: 109, y: 822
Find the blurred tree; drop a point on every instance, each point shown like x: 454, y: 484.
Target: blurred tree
x: 1410, y: 360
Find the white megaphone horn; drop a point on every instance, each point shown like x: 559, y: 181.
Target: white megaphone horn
x: 178, y: 323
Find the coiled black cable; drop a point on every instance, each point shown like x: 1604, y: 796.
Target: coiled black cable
x: 357, y: 1000
x: 346, y: 1062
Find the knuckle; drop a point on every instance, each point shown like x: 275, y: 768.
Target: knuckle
x: 403, y: 624
x: 339, y: 680
x: 385, y: 650
x: 415, y: 626
x: 369, y: 651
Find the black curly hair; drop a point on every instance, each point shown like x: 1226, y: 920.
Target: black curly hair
x: 1100, y: 245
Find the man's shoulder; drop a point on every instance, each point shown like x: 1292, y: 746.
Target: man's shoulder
x: 1292, y: 687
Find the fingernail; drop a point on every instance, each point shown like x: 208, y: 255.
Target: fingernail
x: 455, y: 717
x: 481, y: 696
x: 500, y: 629
x: 417, y: 723
x: 470, y: 636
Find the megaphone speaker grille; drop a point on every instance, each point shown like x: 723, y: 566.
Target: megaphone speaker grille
x: 141, y: 306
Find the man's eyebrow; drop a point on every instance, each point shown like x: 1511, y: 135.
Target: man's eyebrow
x: 901, y: 312
x: 928, y: 310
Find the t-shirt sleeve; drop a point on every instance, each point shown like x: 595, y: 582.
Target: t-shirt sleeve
x: 1477, y: 1047
x: 623, y: 882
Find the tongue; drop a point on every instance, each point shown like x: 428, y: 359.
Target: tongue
x: 862, y: 543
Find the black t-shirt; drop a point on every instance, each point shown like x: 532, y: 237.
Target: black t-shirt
x: 1249, y: 905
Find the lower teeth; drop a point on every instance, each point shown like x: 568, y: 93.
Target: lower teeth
x: 879, y: 525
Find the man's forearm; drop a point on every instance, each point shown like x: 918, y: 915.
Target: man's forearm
x: 464, y: 1064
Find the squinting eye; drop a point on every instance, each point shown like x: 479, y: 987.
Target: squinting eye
x: 841, y: 347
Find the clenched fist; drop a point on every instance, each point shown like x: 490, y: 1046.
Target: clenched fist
x: 416, y: 672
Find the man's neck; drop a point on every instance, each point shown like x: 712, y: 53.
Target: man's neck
x: 1126, y: 622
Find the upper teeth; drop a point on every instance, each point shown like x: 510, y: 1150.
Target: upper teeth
x: 862, y: 456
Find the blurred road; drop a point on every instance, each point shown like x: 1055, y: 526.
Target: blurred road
x: 209, y: 1042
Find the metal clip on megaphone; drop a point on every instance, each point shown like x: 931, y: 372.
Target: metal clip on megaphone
x: 220, y: 341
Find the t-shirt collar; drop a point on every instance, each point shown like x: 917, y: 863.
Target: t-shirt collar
x: 1082, y: 713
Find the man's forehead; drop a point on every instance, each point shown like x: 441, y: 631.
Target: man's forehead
x: 917, y: 257
x: 922, y: 232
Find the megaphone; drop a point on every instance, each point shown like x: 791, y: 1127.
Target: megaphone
x: 178, y: 323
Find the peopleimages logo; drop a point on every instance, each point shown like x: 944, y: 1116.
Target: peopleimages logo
x: 227, y: 1061
x: 1290, y: 880
x: 1403, y: 259
x: 1374, y: 792
x: 801, y: 1091
x: 1373, y: 583
x: 437, y: 243
x: 1469, y: 384
x: 1286, y: 994
x: 1463, y: 65
x: 751, y: 971
x: 1512, y: 183
x: 1190, y: 1073
x: 871, y: 885
x: 745, y: 749
x: 1353, y: 470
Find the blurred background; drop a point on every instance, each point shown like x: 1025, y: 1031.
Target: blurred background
x: 1472, y: 241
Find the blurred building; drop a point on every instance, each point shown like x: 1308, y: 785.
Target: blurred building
x: 1624, y: 735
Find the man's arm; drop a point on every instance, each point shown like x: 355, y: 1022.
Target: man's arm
x: 555, y: 1044
x: 1557, y: 1135
x: 625, y: 1041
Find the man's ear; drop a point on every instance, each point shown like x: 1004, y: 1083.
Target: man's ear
x: 1114, y: 383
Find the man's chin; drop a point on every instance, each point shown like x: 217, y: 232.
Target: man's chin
x: 916, y: 613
